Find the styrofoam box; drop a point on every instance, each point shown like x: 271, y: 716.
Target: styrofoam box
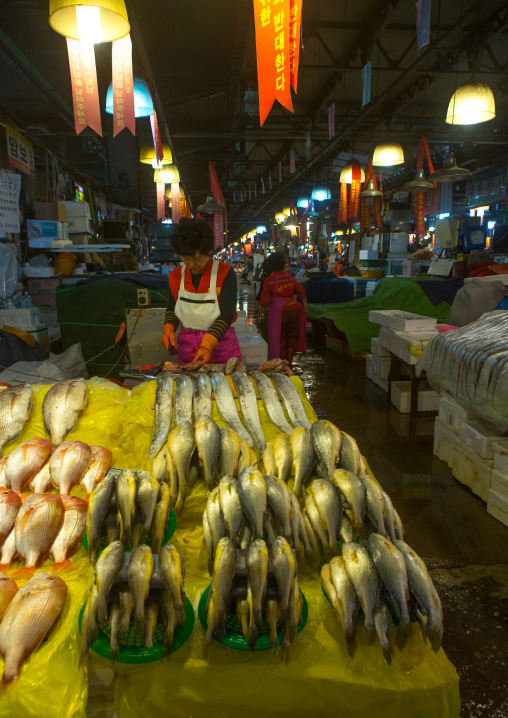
x: 428, y: 399
x: 471, y: 470
x: 402, y: 321
x: 31, y: 272
x: 497, y: 507
x: 377, y: 349
x: 368, y: 254
x: 41, y: 229
x: 479, y: 438
x: 369, y: 371
x: 501, y: 456
x: 47, y: 243
x: 408, y: 346
x: 452, y: 412
x: 254, y: 349
x: 444, y: 441
x: 26, y: 318
x: 381, y: 366
x: 79, y: 225
x: 77, y: 209
x: 499, y: 484
x: 381, y: 383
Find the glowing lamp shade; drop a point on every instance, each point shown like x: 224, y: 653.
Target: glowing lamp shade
x: 143, y: 104
x: 346, y: 174
x: 147, y: 155
x: 92, y: 21
x: 286, y: 211
x: 320, y: 194
x: 303, y: 202
x: 280, y: 217
x: 261, y: 229
x: 291, y: 223
x: 388, y: 155
x: 471, y: 104
x: 167, y: 174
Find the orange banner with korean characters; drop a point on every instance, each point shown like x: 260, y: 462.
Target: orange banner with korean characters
x: 175, y: 202
x: 295, y: 21
x: 85, y: 93
x: 157, y: 142
x: 272, y: 22
x: 343, y: 203
x: 123, y: 87
x: 420, y: 213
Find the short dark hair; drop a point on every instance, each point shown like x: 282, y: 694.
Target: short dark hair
x: 193, y: 235
x: 277, y: 261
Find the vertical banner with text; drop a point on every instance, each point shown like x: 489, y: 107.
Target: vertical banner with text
x: 123, y: 87
x: 343, y: 203
x: 161, y: 201
x: 175, y: 202
x: 218, y: 229
x: 295, y: 21
x: 85, y: 93
x: 420, y: 213
x: 157, y: 141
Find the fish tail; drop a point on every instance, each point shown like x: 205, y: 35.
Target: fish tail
x: 61, y: 566
x: 25, y: 571
x: 139, y: 618
x: 253, y: 636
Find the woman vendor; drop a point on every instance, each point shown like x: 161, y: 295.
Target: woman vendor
x: 202, y: 298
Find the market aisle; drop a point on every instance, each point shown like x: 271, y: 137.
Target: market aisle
x: 465, y: 548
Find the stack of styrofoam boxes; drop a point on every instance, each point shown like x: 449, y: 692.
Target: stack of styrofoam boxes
x: 79, y: 221
x: 447, y: 427
x: 378, y: 364
x: 47, y: 235
x: 253, y: 347
x: 404, y: 335
x: 473, y: 457
x: 497, y: 502
x: 29, y: 320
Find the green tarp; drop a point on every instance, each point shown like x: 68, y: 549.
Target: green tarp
x: 352, y: 318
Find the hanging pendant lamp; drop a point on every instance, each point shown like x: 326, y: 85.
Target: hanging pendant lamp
x: 167, y: 174
x: 210, y: 206
x: 346, y: 174
x: 388, y: 155
x: 303, y: 202
x: 143, y: 103
x: 321, y: 194
x: 280, y: 217
x: 92, y: 21
x: 291, y: 223
x: 471, y: 104
x: 147, y: 155
x: 450, y: 172
x: 370, y: 191
x: 418, y: 183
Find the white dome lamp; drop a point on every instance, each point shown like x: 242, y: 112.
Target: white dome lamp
x: 471, y: 104
x: 388, y: 155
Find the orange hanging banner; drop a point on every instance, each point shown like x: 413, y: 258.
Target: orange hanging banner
x: 295, y: 20
x: 161, y: 202
x: 175, y: 202
x: 85, y: 94
x: 356, y: 188
x: 420, y: 213
x: 343, y: 203
x: 123, y: 87
x: 157, y: 142
x: 272, y: 50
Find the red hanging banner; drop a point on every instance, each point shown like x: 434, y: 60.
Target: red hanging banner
x: 420, y: 213
x: 218, y: 196
x: 272, y: 51
x: 343, y: 203
x: 356, y: 188
x: 123, y: 88
x: 161, y: 201
x: 85, y: 94
x: 218, y: 229
x: 175, y: 202
x: 295, y: 19
x: 157, y: 141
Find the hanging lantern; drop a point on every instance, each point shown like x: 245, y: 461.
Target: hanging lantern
x: 147, y: 155
x: 450, y: 172
x: 280, y: 217
x: 370, y: 192
x: 418, y: 183
x: 143, y: 103
x: 320, y: 194
x: 471, y: 104
x: 210, y: 206
x: 286, y: 211
x: 388, y: 155
x: 168, y: 174
x: 346, y: 174
x: 291, y: 223
x: 91, y: 21
x: 303, y: 202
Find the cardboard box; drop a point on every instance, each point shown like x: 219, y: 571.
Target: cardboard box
x: 77, y: 209
x: 50, y: 211
x: 79, y: 225
x: 41, y: 229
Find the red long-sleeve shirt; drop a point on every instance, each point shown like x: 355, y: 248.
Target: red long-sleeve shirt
x: 284, y: 285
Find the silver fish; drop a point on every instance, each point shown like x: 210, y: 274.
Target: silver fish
x: 304, y: 457
x: 279, y: 500
x: 173, y: 573
x: 374, y: 507
x: 62, y: 406
x: 389, y: 520
x: 207, y: 535
x: 163, y: 410
x: 284, y: 568
x: 208, y: 444
x: 115, y: 618
x: 183, y: 398
x: 354, y: 491
x: 269, y: 460
x: 363, y: 575
x: 227, y: 407
x: 139, y: 574
x: 146, y: 497
x: 298, y: 530
x: 230, y: 449
x: 126, y: 607
x: 283, y: 456
x: 16, y: 405
x: 382, y: 621
x: 168, y: 620
x: 172, y: 477
x: 202, y: 396
x: 181, y: 444
x: 160, y: 518
x: 245, y: 459
x: 98, y: 507
x: 223, y: 574
x: 397, y: 525
x: 391, y: 566
x: 327, y: 441
x: 231, y: 507
x: 107, y: 568
x: 311, y: 536
x: 271, y: 611
x: 271, y: 402
x: 213, y: 525
x: 327, y: 502
x: 349, y: 454
x: 249, y: 406
x: 252, y: 492
x: 256, y: 563
x: 347, y: 533
x: 160, y: 465
x: 317, y: 526
x: 346, y: 597
x: 291, y: 399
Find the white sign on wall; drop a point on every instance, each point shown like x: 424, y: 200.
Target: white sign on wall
x: 10, y: 185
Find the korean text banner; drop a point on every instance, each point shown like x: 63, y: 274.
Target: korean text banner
x: 85, y: 93
x: 123, y: 87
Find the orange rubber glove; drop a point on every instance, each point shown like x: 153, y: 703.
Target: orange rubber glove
x: 168, y: 338
x: 204, y: 352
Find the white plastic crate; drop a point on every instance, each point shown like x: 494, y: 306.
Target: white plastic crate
x: 479, y: 438
x: 428, y: 399
x: 452, y: 412
x: 497, y: 507
x: 381, y: 366
x: 402, y: 321
x: 501, y: 456
x: 471, y: 470
x: 377, y: 349
x: 499, y: 484
x: 26, y: 318
x: 444, y: 441
x: 408, y: 346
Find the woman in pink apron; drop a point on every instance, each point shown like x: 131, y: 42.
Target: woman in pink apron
x: 202, y: 300
x: 287, y: 318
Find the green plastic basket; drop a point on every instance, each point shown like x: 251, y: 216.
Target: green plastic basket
x: 132, y: 648
x: 169, y: 533
x: 234, y: 635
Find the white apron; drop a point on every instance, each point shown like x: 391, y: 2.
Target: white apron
x: 198, y: 312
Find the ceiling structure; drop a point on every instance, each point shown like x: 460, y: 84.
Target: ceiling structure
x: 199, y: 57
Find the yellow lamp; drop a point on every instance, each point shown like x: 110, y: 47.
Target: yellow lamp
x: 280, y: 217
x: 92, y: 21
x: 388, y: 155
x: 286, y: 211
x: 346, y: 174
x: 471, y: 104
x: 147, y: 155
x: 167, y: 174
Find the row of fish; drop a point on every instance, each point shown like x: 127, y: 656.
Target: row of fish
x: 279, y: 604
x: 228, y: 368
x: 385, y: 579
x: 253, y: 507
x: 130, y: 508
x: 193, y: 398
x: 27, y: 616
x: 41, y: 466
x: 141, y: 588
x: 39, y: 525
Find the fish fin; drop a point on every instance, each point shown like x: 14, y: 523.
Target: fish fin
x: 25, y: 571
x: 61, y: 566
x: 5, y: 567
x: 387, y: 653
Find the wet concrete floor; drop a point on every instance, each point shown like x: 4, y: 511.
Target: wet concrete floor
x: 465, y: 549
